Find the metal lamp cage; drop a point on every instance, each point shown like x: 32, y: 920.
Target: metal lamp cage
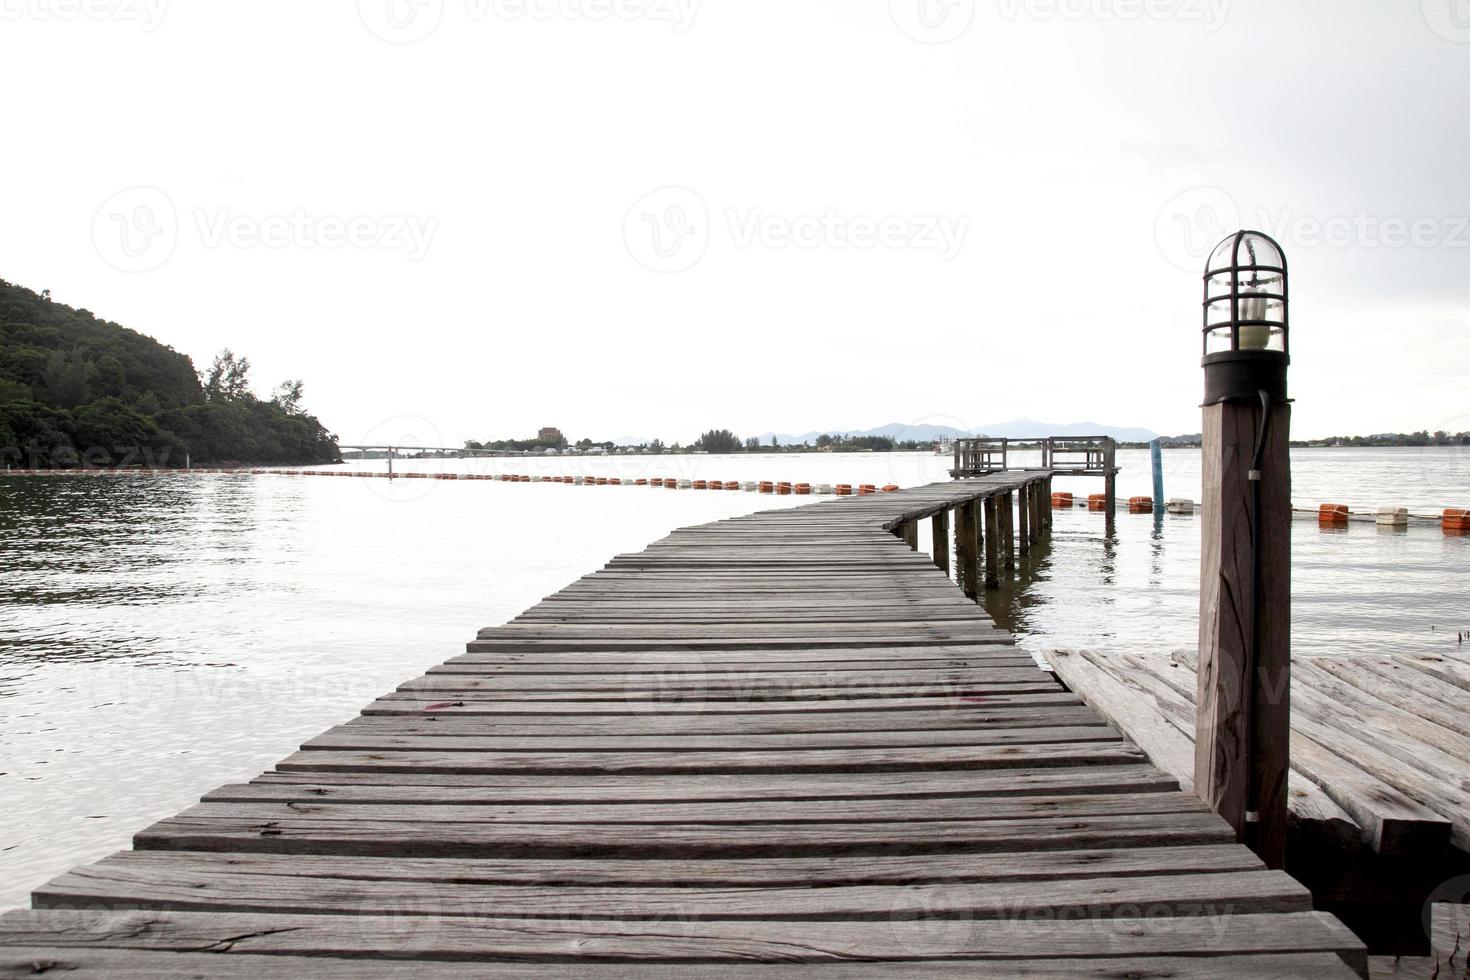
x: 1246, y: 306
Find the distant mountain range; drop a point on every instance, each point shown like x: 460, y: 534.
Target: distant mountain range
x: 1015, y: 429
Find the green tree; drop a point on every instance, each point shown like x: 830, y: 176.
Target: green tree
x: 287, y: 396
x: 228, y: 378
x: 719, y: 441
x: 74, y: 388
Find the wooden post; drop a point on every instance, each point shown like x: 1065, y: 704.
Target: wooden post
x: 1008, y: 529
x: 1023, y: 516
x: 977, y: 525
x: 1110, y: 491
x: 966, y: 571
x: 939, y: 525
x: 1040, y: 504
x: 1242, y: 728
x: 911, y: 534
x: 992, y: 577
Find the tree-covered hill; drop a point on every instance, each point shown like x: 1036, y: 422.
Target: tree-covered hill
x: 76, y: 390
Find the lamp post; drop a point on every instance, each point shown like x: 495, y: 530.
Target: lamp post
x: 1243, y: 722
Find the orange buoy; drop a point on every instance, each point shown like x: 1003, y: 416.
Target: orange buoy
x: 1456, y: 519
x: 843, y: 489
x: 699, y: 484
x: 1097, y: 501
x: 1140, y: 505
x: 803, y: 489
x: 732, y: 485
x: 1060, y: 499
x: 783, y: 488
x: 890, y: 488
x: 642, y: 482
x: 767, y: 487
x: 1332, y: 514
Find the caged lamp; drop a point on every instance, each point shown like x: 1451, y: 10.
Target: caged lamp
x: 1246, y: 330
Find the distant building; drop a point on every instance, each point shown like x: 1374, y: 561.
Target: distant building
x: 549, y: 434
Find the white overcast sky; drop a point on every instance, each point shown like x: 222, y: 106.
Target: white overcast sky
x: 581, y: 212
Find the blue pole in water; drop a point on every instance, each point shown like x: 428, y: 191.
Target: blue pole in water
x: 1156, y: 454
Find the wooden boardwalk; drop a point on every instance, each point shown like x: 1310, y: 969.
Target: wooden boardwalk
x: 1380, y: 746
x: 782, y: 741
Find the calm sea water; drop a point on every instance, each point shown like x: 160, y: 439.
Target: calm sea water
x: 161, y: 636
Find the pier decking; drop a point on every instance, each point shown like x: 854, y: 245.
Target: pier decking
x: 784, y: 739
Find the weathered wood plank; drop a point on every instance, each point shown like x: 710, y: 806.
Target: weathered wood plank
x: 129, y: 964
x: 1191, y: 894
x: 648, y: 841
x: 678, y: 940
x: 377, y: 785
x: 814, y: 761
x: 347, y: 738
x: 710, y: 873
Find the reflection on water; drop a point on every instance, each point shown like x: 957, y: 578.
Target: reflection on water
x: 161, y: 636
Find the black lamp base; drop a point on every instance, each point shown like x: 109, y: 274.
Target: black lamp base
x: 1241, y: 375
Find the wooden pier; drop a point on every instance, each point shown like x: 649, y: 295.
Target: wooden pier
x: 783, y: 741
x: 1379, y: 782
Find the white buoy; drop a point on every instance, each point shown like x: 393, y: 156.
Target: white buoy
x: 750, y: 486
x: 1179, y: 505
x: 684, y: 484
x: 1389, y: 516
x: 822, y: 488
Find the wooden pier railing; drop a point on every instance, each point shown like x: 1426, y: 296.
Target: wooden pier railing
x: 783, y: 741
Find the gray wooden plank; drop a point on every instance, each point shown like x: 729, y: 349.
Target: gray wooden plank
x: 678, y: 940
x: 1191, y: 894
x: 130, y: 964
x: 1113, y: 776
x: 312, y: 835
x: 706, y: 872
x: 733, y: 813
x: 346, y: 737
x: 816, y: 760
